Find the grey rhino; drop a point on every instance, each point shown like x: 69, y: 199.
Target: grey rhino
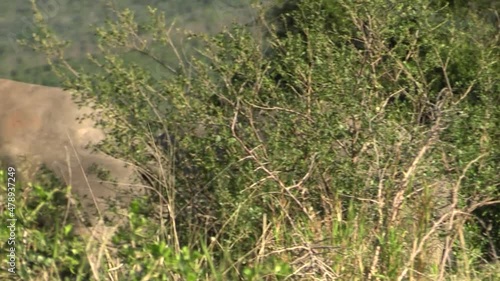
x: 39, y: 125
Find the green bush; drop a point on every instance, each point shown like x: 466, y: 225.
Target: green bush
x: 360, y: 144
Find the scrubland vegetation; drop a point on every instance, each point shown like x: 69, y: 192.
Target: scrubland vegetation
x: 328, y: 140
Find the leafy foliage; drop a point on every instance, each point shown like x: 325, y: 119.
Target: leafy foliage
x: 366, y: 128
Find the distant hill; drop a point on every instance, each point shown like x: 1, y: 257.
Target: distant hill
x: 76, y: 20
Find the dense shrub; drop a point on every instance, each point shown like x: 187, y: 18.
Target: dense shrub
x: 355, y: 140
